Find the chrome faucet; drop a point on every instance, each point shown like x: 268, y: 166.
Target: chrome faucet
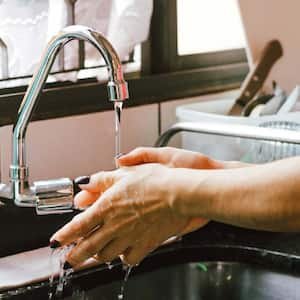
x: 54, y: 196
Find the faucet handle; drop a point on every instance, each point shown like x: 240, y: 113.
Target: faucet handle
x: 54, y: 196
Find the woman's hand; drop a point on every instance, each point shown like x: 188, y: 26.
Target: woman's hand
x: 131, y: 215
x: 176, y: 158
x: 171, y: 157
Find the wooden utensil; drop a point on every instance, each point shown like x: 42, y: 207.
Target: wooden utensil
x: 255, y: 79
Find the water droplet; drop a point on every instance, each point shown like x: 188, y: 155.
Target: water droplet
x: 109, y: 265
x: 120, y: 297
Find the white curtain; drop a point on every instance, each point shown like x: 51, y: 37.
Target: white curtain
x: 22, y: 29
x: 26, y: 25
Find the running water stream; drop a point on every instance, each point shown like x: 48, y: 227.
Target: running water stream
x: 118, y: 115
x: 57, y: 258
x: 127, y: 270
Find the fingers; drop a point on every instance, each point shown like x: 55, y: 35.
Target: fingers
x: 138, y: 156
x: 176, y: 158
x: 84, y: 199
x: 118, y: 246
x: 134, y: 255
x: 101, y: 181
x: 81, y: 225
x: 112, y: 250
x: 152, y: 239
x: 143, y: 155
x: 90, y: 246
x: 104, y: 243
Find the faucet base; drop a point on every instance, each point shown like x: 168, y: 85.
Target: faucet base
x: 6, y: 191
x: 23, y: 194
x: 54, y: 196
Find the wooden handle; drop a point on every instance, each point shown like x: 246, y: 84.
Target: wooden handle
x: 255, y: 79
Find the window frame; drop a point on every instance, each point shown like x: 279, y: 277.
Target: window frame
x: 165, y: 44
x: 164, y: 76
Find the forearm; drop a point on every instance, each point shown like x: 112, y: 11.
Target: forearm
x: 265, y: 197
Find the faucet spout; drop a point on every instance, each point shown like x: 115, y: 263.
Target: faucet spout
x: 117, y: 91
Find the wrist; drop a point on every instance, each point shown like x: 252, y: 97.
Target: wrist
x: 194, y: 193
x: 233, y: 164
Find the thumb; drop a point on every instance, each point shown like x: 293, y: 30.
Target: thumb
x: 99, y: 182
x: 141, y: 155
x: 84, y: 199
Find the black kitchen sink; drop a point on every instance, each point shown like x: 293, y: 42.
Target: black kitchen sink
x: 203, y: 281
x: 189, y: 281
x: 217, y: 262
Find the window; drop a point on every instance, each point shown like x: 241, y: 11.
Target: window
x: 208, y: 26
x: 172, y: 63
x: 183, y: 39
x: 33, y: 22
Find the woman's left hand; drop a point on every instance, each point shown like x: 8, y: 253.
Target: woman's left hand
x: 133, y: 215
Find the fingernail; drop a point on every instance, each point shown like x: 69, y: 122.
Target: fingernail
x: 67, y: 266
x: 82, y: 180
x: 117, y: 159
x: 120, y: 155
x: 54, y: 244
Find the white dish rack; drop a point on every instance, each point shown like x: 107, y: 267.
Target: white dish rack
x: 227, y: 148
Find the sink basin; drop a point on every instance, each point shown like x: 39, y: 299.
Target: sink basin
x: 207, y: 281
x: 235, y: 265
x: 186, y: 281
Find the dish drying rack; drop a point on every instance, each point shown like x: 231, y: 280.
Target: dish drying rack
x: 266, y: 151
x: 257, y: 140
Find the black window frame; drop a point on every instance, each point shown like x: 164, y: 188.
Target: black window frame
x: 165, y: 46
x: 164, y: 76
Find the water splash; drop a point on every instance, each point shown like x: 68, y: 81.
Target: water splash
x: 53, y: 270
x: 127, y: 270
x: 109, y: 265
x: 57, y: 260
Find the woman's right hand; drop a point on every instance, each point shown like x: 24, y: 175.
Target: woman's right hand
x: 175, y: 158
x: 171, y: 157
x: 135, y: 210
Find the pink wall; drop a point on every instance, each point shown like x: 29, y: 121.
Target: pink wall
x: 82, y: 145
x: 74, y: 146
x: 274, y: 19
